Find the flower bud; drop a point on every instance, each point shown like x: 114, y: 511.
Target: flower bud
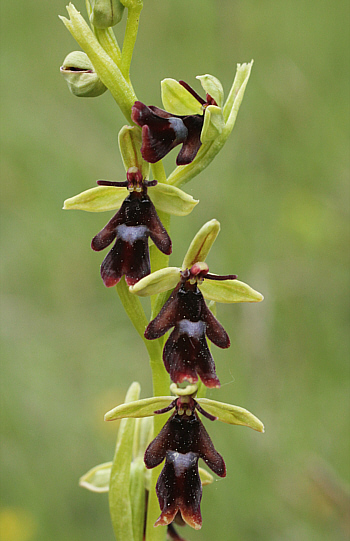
x: 81, y: 77
x: 106, y: 13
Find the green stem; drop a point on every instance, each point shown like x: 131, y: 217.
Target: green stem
x: 132, y: 26
x: 107, y: 39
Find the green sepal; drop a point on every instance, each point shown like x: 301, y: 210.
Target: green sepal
x: 177, y: 100
x: 157, y: 282
x: 213, y: 87
x: 80, y: 76
x: 130, y: 142
x: 139, y: 408
x: 138, y: 497
x: 228, y: 291
x: 120, y: 507
x: 106, y: 13
x: 201, y: 244
x: 172, y: 200
x: 233, y: 415
x: 97, y: 479
x: 213, y: 124
x: 206, y: 477
x: 236, y: 94
x: 97, y: 199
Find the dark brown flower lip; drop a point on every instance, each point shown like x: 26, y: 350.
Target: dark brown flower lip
x: 135, y: 222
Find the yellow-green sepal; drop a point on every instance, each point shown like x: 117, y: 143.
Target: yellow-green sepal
x: 228, y: 291
x: 139, y: 408
x: 177, y: 100
x: 130, y: 142
x: 201, y: 244
x: 172, y: 200
x: 213, y: 87
x: 97, y: 199
x: 206, y: 477
x: 157, y: 282
x: 213, y: 124
x: 97, y: 479
x: 233, y: 415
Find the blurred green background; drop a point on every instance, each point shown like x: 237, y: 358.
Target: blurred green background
x: 279, y: 189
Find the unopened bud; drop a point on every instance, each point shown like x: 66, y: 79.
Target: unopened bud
x: 81, y: 77
x: 106, y: 13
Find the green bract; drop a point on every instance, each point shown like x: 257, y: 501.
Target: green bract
x: 80, y: 76
x: 121, y: 508
x: 177, y: 100
x: 213, y: 87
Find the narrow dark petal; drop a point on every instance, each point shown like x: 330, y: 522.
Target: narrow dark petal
x: 108, y: 233
x: 209, y: 454
x: 166, y: 318
x: 158, y: 232
x: 156, y: 451
x: 214, y: 330
x: 188, y: 152
x: 205, y: 413
x: 209, y: 276
x: 122, y: 184
x: 168, y: 408
x: 192, y: 91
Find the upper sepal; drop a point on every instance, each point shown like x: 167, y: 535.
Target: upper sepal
x: 139, y: 408
x: 177, y: 100
x: 201, y: 244
x: 213, y: 87
x: 99, y: 199
x: 129, y: 140
x: 228, y: 291
x: 233, y: 415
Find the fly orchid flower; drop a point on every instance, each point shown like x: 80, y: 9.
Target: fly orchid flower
x: 132, y: 225
x: 137, y: 218
x: 182, y: 441
x: 186, y: 353
x: 162, y: 130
